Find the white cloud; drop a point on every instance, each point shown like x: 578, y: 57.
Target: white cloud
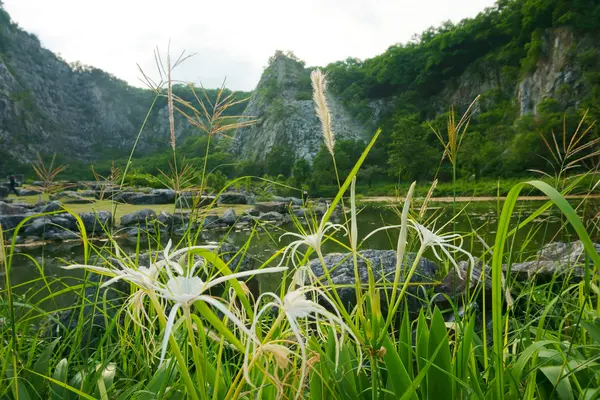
x: 232, y: 38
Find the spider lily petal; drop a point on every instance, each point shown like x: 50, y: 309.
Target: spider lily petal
x: 435, y: 241
x: 296, y: 306
x: 312, y: 240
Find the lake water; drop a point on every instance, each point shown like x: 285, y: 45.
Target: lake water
x: 30, y: 265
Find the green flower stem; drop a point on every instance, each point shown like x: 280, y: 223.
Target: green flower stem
x: 183, y: 366
x: 197, y: 358
x: 406, y: 284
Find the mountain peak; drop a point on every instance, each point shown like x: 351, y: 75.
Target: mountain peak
x: 282, y: 104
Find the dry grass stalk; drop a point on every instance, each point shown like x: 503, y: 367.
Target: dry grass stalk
x: 109, y: 181
x: 572, y: 153
x: 170, y: 101
x: 423, y: 209
x: 456, y: 132
x: 319, y: 85
x: 47, y: 174
x: 208, y: 116
x: 165, y: 73
x: 180, y: 178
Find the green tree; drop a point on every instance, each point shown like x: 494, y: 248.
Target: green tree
x: 411, y: 156
x: 279, y: 161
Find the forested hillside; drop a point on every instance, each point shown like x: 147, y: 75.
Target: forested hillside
x: 79, y: 112
x: 530, y: 60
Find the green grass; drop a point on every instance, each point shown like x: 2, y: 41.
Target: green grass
x: 543, y: 343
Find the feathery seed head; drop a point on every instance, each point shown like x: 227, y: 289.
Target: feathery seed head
x: 319, y: 85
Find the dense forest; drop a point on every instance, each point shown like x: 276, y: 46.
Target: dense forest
x: 502, y: 140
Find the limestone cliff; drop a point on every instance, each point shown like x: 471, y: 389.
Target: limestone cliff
x: 283, y: 106
x: 558, y: 73
x: 81, y: 113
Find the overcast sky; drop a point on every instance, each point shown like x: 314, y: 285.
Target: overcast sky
x: 232, y: 38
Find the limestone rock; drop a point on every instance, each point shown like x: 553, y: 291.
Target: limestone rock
x: 140, y: 217
x: 284, y: 108
x: 383, y: 265
x: 233, y: 198
x: 268, y: 206
x: 229, y: 216
x: 11, y: 209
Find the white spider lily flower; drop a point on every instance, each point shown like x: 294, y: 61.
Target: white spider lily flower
x: 182, y: 253
x: 182, y: 287
x: 444, y: 243
x: 186, y: 290
x: 312, y: 240
x: 142, y: 277
x: 295, y: 306
x: 281, y: 353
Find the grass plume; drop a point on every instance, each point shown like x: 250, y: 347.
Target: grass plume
x: 319, y: 85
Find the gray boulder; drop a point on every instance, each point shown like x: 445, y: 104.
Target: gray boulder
x: 3, y: 191
x: 70, y: 197
x: 11, y: 209
x: 271, y: 216
x: 126, y: 197
x: 48, y: 207
x: 60, y: 235
x: 383, y: 265
x: 144, y: 216
x: 10, y: 222
x: 64, y: 221
x: 233, y: 198
x: 155, y: 196
x: 211, y: 221
x: 555, y: 258
x: 253, y: 212
x: 301, y: 212
x: 229, y: 216
x: 191, y: 199
x: 268, y: 206
x: 165, y: 218
x: 96, y: 222
x: 288, y: 200
x: 28, y: 192
x: 38, y: 226
x: 163, y: 196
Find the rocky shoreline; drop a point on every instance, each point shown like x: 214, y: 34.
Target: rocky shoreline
x: 49, y: 222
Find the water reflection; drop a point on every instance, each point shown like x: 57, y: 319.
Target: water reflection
x: 36, y: 271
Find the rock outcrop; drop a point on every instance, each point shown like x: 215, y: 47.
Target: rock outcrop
x: 285, y: 114
x: 383, y: 265
x: 77, y: 111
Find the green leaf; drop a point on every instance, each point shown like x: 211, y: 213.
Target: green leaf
x: 556, y: 374
x: 316, y: 383
x: 439, y: 379
x: 421, y: 346
x: 497, y: 261
x: 593, y: 329
x: 516, y: 371
x: 59, y: 392
x: 590, y: 394
x: 21, y: 391
x: 405, y: 342
x: 61, y: 369
x: 397, y: 374
x: 158, y: 383
x: 464, y: 353
x: 42, y: 365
